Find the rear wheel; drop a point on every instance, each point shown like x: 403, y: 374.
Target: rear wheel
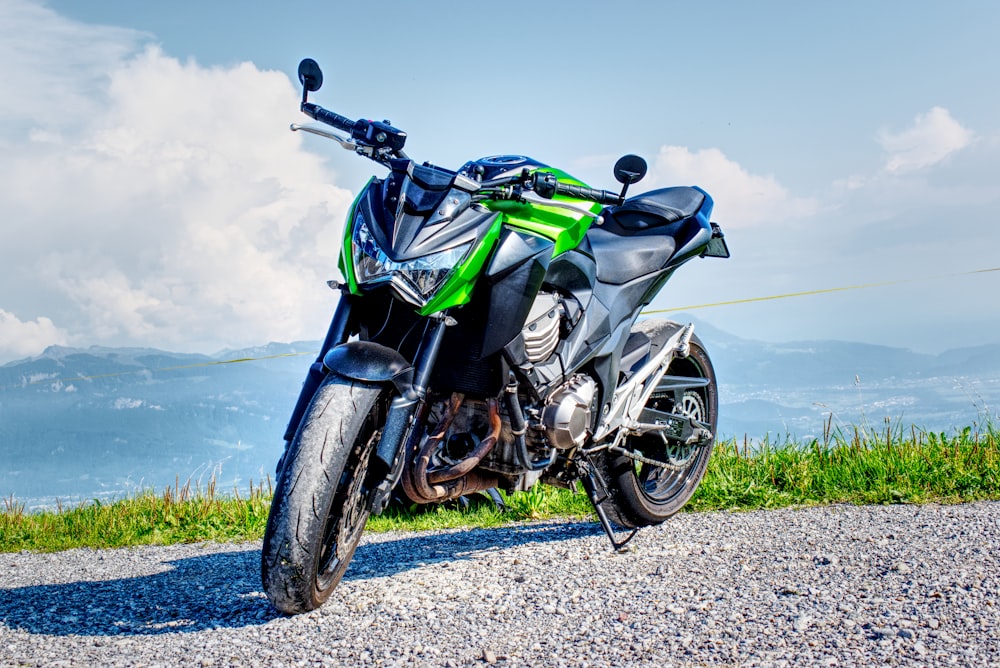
x: 640, y: 493
x: 320, y: 503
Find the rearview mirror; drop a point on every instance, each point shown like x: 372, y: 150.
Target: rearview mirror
x: 310, y: 75
x: 629, y: 169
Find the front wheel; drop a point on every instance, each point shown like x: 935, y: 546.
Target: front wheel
x: 320, y: 503
x: 642, y: 494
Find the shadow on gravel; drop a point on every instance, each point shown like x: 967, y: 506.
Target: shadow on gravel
x: 383, y: 559
x: 203, y: 592
x: 222, y: 590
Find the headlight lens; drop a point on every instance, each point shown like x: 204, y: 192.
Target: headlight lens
x: 417, y: 279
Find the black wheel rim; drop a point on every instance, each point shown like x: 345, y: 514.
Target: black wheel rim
x: 659, y: 484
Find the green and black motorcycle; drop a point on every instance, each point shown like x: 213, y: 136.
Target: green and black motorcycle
x: 487, y: 337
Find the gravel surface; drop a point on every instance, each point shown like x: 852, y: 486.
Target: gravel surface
x: 841, y: 585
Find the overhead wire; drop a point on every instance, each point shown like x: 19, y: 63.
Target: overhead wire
x: 178, y: 367
x: 804, y: 293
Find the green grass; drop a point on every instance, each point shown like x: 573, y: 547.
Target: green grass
x: 862, y: 466
x: 178, y: 515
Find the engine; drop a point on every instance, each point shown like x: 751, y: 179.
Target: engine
x: 567, y: 414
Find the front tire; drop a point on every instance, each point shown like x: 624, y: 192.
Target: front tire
x: 320, y: 503
x: 642, y: 494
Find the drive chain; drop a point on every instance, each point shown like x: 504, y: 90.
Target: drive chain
x: 646, y: 460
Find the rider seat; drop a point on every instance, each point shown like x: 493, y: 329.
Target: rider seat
x: 639, y: 236
x: 654, y: 209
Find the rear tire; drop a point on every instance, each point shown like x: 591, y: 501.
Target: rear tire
x: 642, y: 494
x: 320, y: 503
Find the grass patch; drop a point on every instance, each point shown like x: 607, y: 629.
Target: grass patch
x: 178, y: 515
x: 862, y: 466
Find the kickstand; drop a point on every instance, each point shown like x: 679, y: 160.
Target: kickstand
x: 597, y: 497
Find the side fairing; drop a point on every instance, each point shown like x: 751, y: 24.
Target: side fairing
x: 565, y: 228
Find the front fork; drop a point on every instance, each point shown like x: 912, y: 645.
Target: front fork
x: 411, y: 383
x: 405, y: 414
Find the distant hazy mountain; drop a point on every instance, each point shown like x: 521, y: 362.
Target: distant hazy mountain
x: 83, y: 423
x: 104, y: 421
x: 792, y: 389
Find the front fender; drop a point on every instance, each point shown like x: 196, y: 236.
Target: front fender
x: 370, y: 362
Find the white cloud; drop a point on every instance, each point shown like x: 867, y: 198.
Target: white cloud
x: 741, y: 199
x: 930, y: 139
x: 177, y: 211
x: 51, y: 65
x: 25, y: 338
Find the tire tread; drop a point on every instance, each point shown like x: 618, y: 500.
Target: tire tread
x: 304, y: 491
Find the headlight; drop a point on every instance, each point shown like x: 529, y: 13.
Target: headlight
x: 416, y: 279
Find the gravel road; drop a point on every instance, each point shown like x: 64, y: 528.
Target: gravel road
x: 841, y: 585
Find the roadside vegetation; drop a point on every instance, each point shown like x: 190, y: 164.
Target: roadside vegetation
x: 857, y: 466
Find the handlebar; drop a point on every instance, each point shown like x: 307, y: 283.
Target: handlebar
x: 583, y: 192
x: 318, y: 113
x: 547, y: 185
x: 376, y: 134
x: 381, y: 142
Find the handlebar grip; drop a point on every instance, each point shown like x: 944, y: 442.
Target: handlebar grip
x: 318, y: 113
x: 583, y: 192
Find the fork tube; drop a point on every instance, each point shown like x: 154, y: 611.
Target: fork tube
x: 427, y: 355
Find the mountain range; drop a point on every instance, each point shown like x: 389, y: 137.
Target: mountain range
x: 99, y: 422
x: 795, y: 389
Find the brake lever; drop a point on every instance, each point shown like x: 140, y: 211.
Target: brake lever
x: 311, y: 129
x: 379, y: 155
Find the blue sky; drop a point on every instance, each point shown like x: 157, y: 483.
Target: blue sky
x: 152, y: 195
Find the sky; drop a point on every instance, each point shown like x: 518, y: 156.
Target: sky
x: 151, y: 193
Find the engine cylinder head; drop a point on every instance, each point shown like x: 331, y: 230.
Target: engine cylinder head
x: 541, y: 333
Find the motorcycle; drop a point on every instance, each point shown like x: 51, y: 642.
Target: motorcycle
x: 487, y: 336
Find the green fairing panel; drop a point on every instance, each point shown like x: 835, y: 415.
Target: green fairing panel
x: 562, y: 226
